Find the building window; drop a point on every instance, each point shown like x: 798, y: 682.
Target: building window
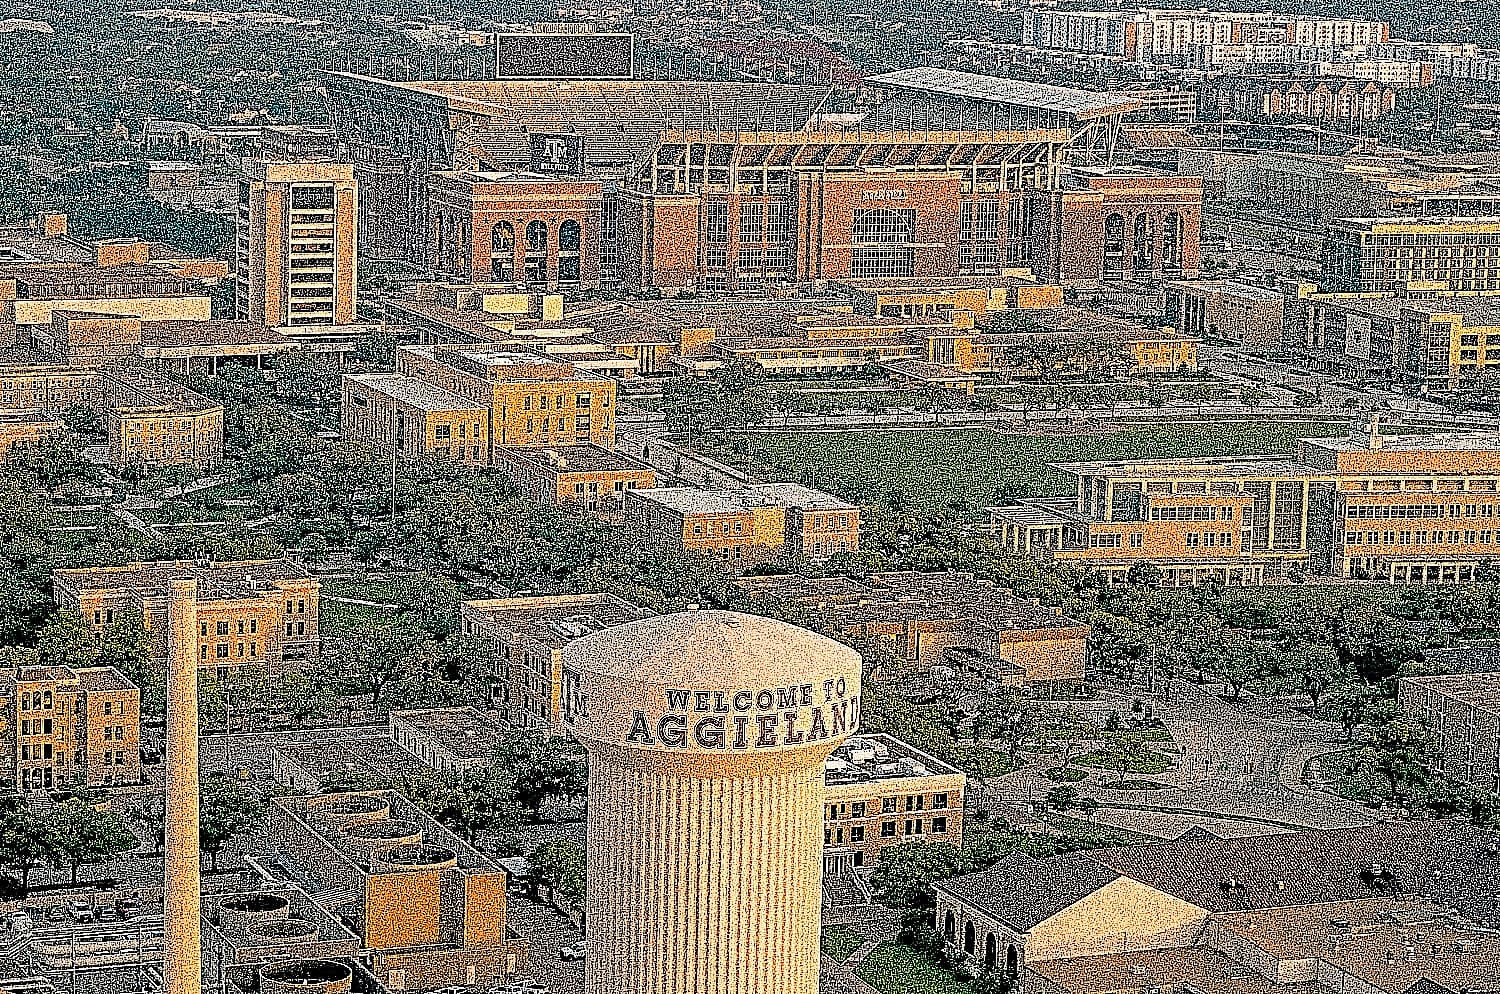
x: 887, y: 830
x: 503, y: 252
x: 1114, y: 245
x: 536, y: 253
x: 882, y: 240
x: 1143, y: 256
x: 569, y: 252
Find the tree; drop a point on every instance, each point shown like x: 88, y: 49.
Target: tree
x: 904, y: 876
x: 84, y: 834
x: 1062, y: 798
x: 149, y: 810
x: 561, y: 865
x: 1349, y: 702
x: 25, y: 843
x: 226, y: 809
x: 1143, y: 574
x: 1398, y: 753
x: 1316, y: 667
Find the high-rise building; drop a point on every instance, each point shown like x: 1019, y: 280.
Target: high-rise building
x: 295, y: 262
x: 707, y: 734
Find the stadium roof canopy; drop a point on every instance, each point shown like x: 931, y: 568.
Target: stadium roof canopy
x: 1080, y: 104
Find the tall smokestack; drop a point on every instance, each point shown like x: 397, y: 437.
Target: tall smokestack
x: 183, y: 969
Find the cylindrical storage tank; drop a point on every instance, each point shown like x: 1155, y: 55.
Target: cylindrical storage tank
x: 350, y: 809
x: 372, y: 837
x: 400, y: 859
x: 707, y: 733
x: 240, y: 910
x: 283, y: 930
x: 307, y: 976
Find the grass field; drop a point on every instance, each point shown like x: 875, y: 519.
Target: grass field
x: 841, y: 941
x: 979, y: 466
x: 896, y: 969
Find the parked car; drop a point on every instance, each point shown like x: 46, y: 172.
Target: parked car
x: 80, y: 911
x: 574, y: 952
x: 20, y: 923
x: 127, y: 907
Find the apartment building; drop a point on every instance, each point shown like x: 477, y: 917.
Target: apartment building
x: 295, y: 253
x: 1396, y: 509
x: 581, y: 477
x: 65, y: 727
x: 522, y: 639
x: 1462, y: 711
x: 757, y: 524
x: 25, y: 427
x: 1407, y: 255
x: 254, y: 613
x: 413, y: 418
x: 532, y: 400
x: 881, y: 793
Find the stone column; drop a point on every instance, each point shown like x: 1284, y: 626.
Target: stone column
x: 182, y: 968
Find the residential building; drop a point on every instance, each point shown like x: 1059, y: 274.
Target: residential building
x: 1462, y: 711
x: 1227, y: 311
x: 1396, y: 509
x: 25, y: 427
x: 1407, y: 255
x: 449, y: 740
x: 882, y: 793
x: 413, y: 418
x: 951, y: 620
x: 254, y: 613
x: 295, y: 258
x: 1285, y: 912
x: 582, y: 477
x: 430, y: 908
x: 757, y: 524
x: 532, y: 400
x: 523, y: 639
x: 1260, y: 98
x: 69, y: 728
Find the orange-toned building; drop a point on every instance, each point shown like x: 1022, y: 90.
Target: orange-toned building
x: 1397, y: 509
x: 760, y: 523
x: 20, y: 426
x: 295, y: 258
x: 154, y: 422
x: 882, y: 793
x: 532, y: 400
x: 584, y: 477
x: 256, y: 613
x: 1104, y: 226
x: 430, y: 909
x: 414, y: 418
x: 63, y: 727
x: 516, y: 229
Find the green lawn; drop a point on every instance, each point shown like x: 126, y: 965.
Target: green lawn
x: 840, y: 941
x: 979, y: 466
x: 896, y: 969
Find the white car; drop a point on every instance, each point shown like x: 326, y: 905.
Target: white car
x: 20, y: 923
x: 574, y: 952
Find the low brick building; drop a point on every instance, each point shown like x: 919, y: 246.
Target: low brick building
x: 881, y: 793
x: 582, y: 477
x: 757, y: 524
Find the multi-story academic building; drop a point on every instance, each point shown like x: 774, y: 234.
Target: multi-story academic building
x: 257, y: 613
x: 295, y: 259
x: 1398, y: 509
x: 584, y: 477
x: 1227, y: 311
x: 65, y: 727
x: 759, y: 523
x: 1462, y: 711
x: 449, y: 740
x: 1406, y: 255
x: 951, y: 619
x: 25, y: 427
x: 414, y: 418
x: 673, y: 187
x: 881, y: 793
x: 523, y: 639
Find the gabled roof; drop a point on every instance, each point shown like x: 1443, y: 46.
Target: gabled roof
x: 1024, y: 892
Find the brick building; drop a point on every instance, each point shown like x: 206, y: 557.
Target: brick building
x: 1398, y: 509
x: 949, y: 619
x: 517, y: 229
x: 295, y: 258
x: 882, y: 793
x: 25, y: 427
x: 255, y: 613
x: 1462, y: 711
x: 69, y: 728
x: 523, y: 639
x: 1227, y: 311
x: 1105, y: 225
x: 583, y: 477
x: 449, y: 740
x: 414, y: 418
x: 761, y: 523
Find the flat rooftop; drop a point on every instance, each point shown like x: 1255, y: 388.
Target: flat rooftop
x: 872, y: 758
x: 1485, y: 441
x: 465, y: 733
x: 415, y: 392
x: 1081, y: 104
x: 690, y: 500
x: 1479, y: 689
x: 576, y: 459
x: 558, y: 621
x: 216, y: 581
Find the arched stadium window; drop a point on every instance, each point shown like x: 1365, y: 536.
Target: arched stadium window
x: 1114, y: 245
x: 503, y: 252
x: 1144, y: 255
x: 536, y: 253
x: 1171, y: 243
x: 569, y: 251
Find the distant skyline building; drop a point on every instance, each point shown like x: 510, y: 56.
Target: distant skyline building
x: 295, y: 261
x: 707, y: 734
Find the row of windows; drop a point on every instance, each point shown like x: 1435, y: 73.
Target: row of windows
x: 1192, y: 513
x: 833, y: 521
x: 222, y: 627
x: 1208, y: 539
x: 888, y: 805
x: 1383, y: 511
x: 583, y: 401
x: 724, y: 528
x: 913, y: 826
x: 41, y: 726
x: 1422, y: 537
